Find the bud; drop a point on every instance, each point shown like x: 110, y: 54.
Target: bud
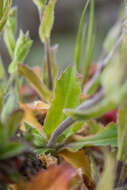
x: 23, y: 45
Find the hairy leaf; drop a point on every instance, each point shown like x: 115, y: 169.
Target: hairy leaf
x: 12, y: 149
x: 71, y: 130
x: 22, y: 47
x: 108, y: 136
x: 10, y: 104
x: 4, y: 12
x: 93, y: 112
x: 13, y: 121
x: 40, y: 4
x: 89, y: 46
x: 35, y: 81
x: 67, y: 95
x: 80, y: 37
x: 2, y: 70
x: 9, y: 32
x: 122, y: 133
x: 112, y: 37
x: 47, y: 21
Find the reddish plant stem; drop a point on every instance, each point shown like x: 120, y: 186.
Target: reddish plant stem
x: 47, y: 51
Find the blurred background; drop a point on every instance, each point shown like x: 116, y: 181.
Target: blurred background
x: 67, y: 16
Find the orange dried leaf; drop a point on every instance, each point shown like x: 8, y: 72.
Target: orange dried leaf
x: 37, y: 106
x: 78, y: 160
x: 54, y: 178
x: 31, y: 110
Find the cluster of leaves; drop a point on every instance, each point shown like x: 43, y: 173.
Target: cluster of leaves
x: 64, y: 117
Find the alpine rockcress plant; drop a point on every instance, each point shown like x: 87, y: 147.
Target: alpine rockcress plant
x: 66, y: 115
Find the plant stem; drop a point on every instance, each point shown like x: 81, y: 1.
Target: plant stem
x: 64, y: 125
x: 11, y: 80
x: 69, y: 121
x: 47, y: 51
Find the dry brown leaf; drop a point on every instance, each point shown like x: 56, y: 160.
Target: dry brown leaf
x: 36, y: 106
x: 78, y: 160
x: 31, y: 111
x: 54, y: 178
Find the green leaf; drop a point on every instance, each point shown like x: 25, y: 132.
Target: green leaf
x: 80, y: 37
x: 12, y: 149
x: 23, y: 45
x: 4, y: 12
x: 108, y: 136
x: 89, y: 46
x: 109, y: 74
x: 112, y: 101
x: 14, y: 121
x: 67, y: 95
x: 1, y: 97
x: 3, y: 136
x: 47, y: 21
x: 9, y: 105
x: 9, y: 41
x: 40, y: 4
x: 2, y: 70
x: 9, y: 32
x: 35, y: 81
x: 107, y: 179
x: 94, y: 126
x: 95, y: 86
x: 112, y: 37
x: 70, y: 131
x: 12, y: 20
x: 93, y: 112
x: 1, y: 8
x: 122, y: 133
x: 34, y: 136
x: 118, y: 67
